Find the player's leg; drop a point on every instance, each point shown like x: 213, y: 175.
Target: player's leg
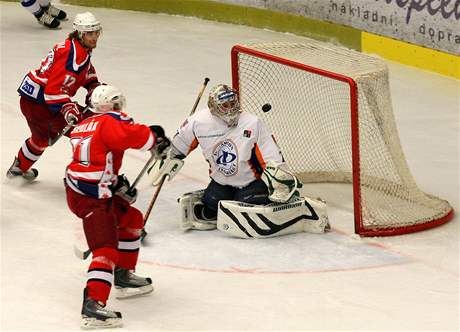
x: 254, y: 193
x: 43, y: 125
x: 99, y: 224
x: 130, y: 225
x: 38, y: 118
x: 40, y: 13
x: 52, y: 10
x: 214, y: 193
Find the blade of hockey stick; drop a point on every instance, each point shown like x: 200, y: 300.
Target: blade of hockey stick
x: 82, y: 254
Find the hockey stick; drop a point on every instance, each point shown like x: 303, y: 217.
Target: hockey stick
x: 157, y: 191
x: 52, y: 141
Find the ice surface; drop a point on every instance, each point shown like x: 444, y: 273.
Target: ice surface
x: 207, y: 281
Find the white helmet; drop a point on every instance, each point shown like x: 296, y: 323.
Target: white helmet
x: 86, y: 22
x: 106, y: 98
x: 223, y: 103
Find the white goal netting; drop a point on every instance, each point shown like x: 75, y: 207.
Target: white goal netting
x: 332, y: 117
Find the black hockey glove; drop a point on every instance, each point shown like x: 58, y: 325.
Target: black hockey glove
x: 158, y: 131
x: 123, y: 190
x: 162, y: 144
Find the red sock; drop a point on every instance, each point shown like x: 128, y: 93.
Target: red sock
x: 29, y: 153
x: 128, y: 249
x: 100, y: 273
x: 129, y: 238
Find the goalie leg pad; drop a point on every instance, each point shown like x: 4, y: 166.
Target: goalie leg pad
x: 189, y: 220
x: 320, y: 224
x: 245, y: 220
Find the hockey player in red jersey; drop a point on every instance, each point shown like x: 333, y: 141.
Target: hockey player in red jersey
x: 102, y: 198
x: 45, y: 93
x: 45, y: 13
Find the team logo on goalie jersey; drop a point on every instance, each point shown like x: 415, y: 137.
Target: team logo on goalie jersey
x: 225, y: 156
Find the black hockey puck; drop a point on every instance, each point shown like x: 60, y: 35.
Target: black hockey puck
x: 266, y: 108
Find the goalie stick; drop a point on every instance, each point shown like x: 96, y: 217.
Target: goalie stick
x: 160, y: 184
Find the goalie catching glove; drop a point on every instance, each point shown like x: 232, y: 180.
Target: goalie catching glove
x: 164, y: 167
x: 282, y: 184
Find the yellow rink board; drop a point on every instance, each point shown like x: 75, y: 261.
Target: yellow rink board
x: 413, y: 55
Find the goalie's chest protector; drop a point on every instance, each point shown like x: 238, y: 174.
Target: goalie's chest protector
x: 236, y: 155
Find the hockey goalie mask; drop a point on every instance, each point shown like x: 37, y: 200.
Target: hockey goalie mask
x: 223, y: 103
x: 107, y: 98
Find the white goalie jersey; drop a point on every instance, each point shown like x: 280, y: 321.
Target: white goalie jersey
x: 236, y: 155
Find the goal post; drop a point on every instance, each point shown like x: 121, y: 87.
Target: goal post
x: 333, y: 119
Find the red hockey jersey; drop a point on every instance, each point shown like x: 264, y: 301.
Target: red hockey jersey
x: 98, y: 145
x: 66, y: 68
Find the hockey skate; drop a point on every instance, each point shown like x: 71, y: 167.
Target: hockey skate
x: 44, y: 18
x: 14, y: 171
x: 128, y: 284
x: 56, y: 12
x: 96, y: 316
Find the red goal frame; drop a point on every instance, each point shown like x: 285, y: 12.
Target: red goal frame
x: 354, y: 114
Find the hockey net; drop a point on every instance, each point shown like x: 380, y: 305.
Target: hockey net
x: 332, y: 117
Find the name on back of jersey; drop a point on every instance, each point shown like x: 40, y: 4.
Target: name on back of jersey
x: 86, y: 127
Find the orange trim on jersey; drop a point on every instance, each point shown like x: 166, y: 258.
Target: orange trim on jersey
x: 193, y: 145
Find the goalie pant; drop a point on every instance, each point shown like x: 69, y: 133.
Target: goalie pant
x: 254, y: 221
x: 254, y: 193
